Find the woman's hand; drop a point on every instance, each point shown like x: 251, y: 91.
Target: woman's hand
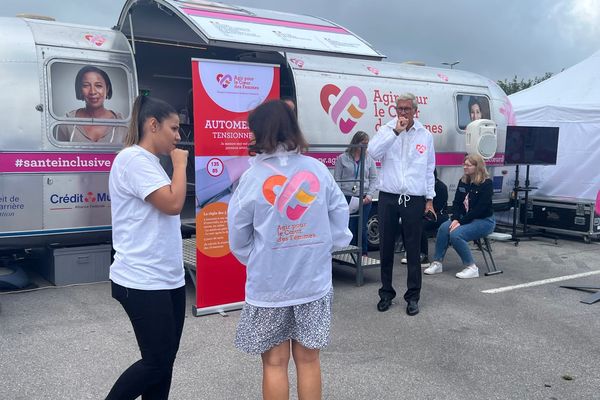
x: 367, y: 199
x: 455, y: 224
x: 179, y: 158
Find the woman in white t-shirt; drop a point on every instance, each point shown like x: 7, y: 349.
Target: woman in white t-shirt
x: 285, y: 217
x: 147, y: 273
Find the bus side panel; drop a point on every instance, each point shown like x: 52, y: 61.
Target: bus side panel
x: 332, y: 107
x: 76, y: 200
x: 20, y: 203
x: 19, y: 97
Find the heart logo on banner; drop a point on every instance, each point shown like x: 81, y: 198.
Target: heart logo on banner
x: 96, y: 39
x: 294, y: 196
x: 224, y: 80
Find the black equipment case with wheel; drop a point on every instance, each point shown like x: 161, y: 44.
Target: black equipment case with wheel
x: 563, y: 215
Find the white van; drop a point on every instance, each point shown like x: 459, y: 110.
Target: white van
x: 53, y: 186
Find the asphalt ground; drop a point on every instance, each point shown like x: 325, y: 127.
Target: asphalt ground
x: 536, y: 342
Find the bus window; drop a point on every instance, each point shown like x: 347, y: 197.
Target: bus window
x: 471, y: 108
x: 88, y: 133
x: 83, y: 97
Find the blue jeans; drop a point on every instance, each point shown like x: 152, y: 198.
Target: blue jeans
x: 460, y: 238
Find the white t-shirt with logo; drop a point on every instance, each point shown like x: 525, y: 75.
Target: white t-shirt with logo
x: 147, y: 241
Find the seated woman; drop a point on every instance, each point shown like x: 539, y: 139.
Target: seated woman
x: 473, y: 218
x: 93, y: 86
x: 347, y: 167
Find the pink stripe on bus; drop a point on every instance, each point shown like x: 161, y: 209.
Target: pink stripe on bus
x: 441, y: 159
x: 265, y: 21
x: 50, y: 162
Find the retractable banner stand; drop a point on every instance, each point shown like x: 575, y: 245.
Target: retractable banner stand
x: 224, y: 94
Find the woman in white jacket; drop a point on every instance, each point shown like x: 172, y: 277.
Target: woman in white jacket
x: 285, y: 217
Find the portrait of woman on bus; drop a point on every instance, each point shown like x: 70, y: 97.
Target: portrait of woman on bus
x: 93, y: 87
x: 479, y: 108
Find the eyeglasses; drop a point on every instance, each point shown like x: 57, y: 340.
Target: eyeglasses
x: 404, y: 110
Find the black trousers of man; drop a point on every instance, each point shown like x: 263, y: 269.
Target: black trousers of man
x: 388, y: 213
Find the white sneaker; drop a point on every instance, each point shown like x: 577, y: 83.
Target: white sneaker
x: 470, y: 272
x: 434, y: 268
x: 404, y: 261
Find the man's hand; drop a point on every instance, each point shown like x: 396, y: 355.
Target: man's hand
x: 429, y: 207
x: 401, y: 124
x: 455, y: 224
x: 367, y: 199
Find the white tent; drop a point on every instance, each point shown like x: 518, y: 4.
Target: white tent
x: 571, y: 101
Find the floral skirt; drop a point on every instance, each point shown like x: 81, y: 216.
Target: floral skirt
x: 262, y: 328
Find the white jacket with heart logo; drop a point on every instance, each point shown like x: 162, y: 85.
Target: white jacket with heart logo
x: 285, y: 218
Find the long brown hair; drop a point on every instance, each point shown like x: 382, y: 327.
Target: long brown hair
x: 481, y: 173
x: 274, y: 124
x: 357, y: 139
x: 146, y: 107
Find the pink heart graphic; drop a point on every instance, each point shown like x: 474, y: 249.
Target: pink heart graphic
x: 344, y: 112
x: 298, y: 62
x: 96, y: 39
x: 373, y: 70
x: 421, y: 148
x: 224, y: 80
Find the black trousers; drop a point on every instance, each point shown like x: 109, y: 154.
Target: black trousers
x: 157, y: 317
x: 389, y: 212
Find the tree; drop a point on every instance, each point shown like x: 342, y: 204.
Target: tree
x: 515, y: 85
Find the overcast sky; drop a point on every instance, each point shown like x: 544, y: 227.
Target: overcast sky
x: 495, y: 38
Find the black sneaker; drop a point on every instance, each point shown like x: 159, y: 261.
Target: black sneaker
x: 425, y: 260
x: 384, y: 305
x: 412, y: 308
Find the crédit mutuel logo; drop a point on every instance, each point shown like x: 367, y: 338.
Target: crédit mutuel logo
x: 342, y: 108
x: 80, y: 200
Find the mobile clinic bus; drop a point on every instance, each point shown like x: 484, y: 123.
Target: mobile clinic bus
x: 200, y: 56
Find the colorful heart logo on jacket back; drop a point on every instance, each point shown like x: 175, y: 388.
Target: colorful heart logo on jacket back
x: 343, y: 102
x: 294, y: 196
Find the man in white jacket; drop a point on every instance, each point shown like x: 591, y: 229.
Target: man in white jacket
x: 406, y: 191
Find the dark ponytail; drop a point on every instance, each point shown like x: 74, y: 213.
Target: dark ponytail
x: 145, y: 107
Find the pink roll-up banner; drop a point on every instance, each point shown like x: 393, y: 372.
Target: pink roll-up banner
x: 224, y: 95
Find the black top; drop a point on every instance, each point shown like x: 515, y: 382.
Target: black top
x: 480, y: 201
x: 440, y: 201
